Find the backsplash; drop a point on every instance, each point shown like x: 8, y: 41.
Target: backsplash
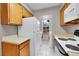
x: 71, y: 29
x: 9, y: 30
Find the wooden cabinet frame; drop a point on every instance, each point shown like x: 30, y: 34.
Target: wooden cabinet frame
x: 75, y: 21
x: 62, y: 14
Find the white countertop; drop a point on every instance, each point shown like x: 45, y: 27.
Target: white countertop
x: 14, y: 39
x: 63, y: 43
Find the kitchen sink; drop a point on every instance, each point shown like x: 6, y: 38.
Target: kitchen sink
x: 72, y: 47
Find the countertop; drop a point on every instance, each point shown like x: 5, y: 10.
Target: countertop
x: 14, y: 39
x: 63, y: 43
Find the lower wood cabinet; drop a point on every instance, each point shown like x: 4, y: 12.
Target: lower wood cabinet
x: 10, y: 49
x: 23, y: 50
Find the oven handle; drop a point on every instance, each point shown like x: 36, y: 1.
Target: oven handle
x: 65, y: 54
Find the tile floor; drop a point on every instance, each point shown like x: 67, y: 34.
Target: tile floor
x: 44, y: 49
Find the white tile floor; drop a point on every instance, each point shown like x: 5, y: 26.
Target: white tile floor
x: 44, y: 49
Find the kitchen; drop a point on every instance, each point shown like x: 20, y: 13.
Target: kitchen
x: 25, y: 36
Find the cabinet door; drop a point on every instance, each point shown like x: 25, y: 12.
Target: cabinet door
x: 0, y: 13
x: 15, y: 13
x: 25, y: 51
x: 4, y: 13
x: 9, y: 49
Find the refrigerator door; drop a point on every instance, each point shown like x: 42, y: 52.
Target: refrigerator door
x: 29, y: 29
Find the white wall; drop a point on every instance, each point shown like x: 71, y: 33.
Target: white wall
x: 9, y: 30
x: 5, y: 31
x: 54, y: 11
x: 71, y: 29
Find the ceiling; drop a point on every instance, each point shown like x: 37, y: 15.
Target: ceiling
x: 38, y: 6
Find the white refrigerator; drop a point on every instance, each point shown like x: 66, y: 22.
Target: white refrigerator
x: 31, y: 29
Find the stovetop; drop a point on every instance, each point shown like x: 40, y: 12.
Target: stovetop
x: 63, y: 39
x: 68, y: 43
x: 66, y: 39
x: 72, y: 47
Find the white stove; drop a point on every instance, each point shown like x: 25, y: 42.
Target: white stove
x: 70, y: 41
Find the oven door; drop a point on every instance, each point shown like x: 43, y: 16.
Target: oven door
x: 60, y: 48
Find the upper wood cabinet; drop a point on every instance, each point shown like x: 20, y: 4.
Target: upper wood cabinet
x: 11, y: 14
x: 62, y: 14
x: 26, y: 13
x: 69, y: 14
x: 0, y: 13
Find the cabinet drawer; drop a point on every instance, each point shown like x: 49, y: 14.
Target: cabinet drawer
x: 25, y: 51
x: 24, y: 44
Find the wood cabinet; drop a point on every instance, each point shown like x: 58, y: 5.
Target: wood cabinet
x: 66, y: 18
x: 23, y: 50
x: 0, y: 13
x: 15, y: 13
x: 62, y: 14
x: 10, y: 49
x: 11, y: 13
x: 26, y: 13
x: 70, y: 13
